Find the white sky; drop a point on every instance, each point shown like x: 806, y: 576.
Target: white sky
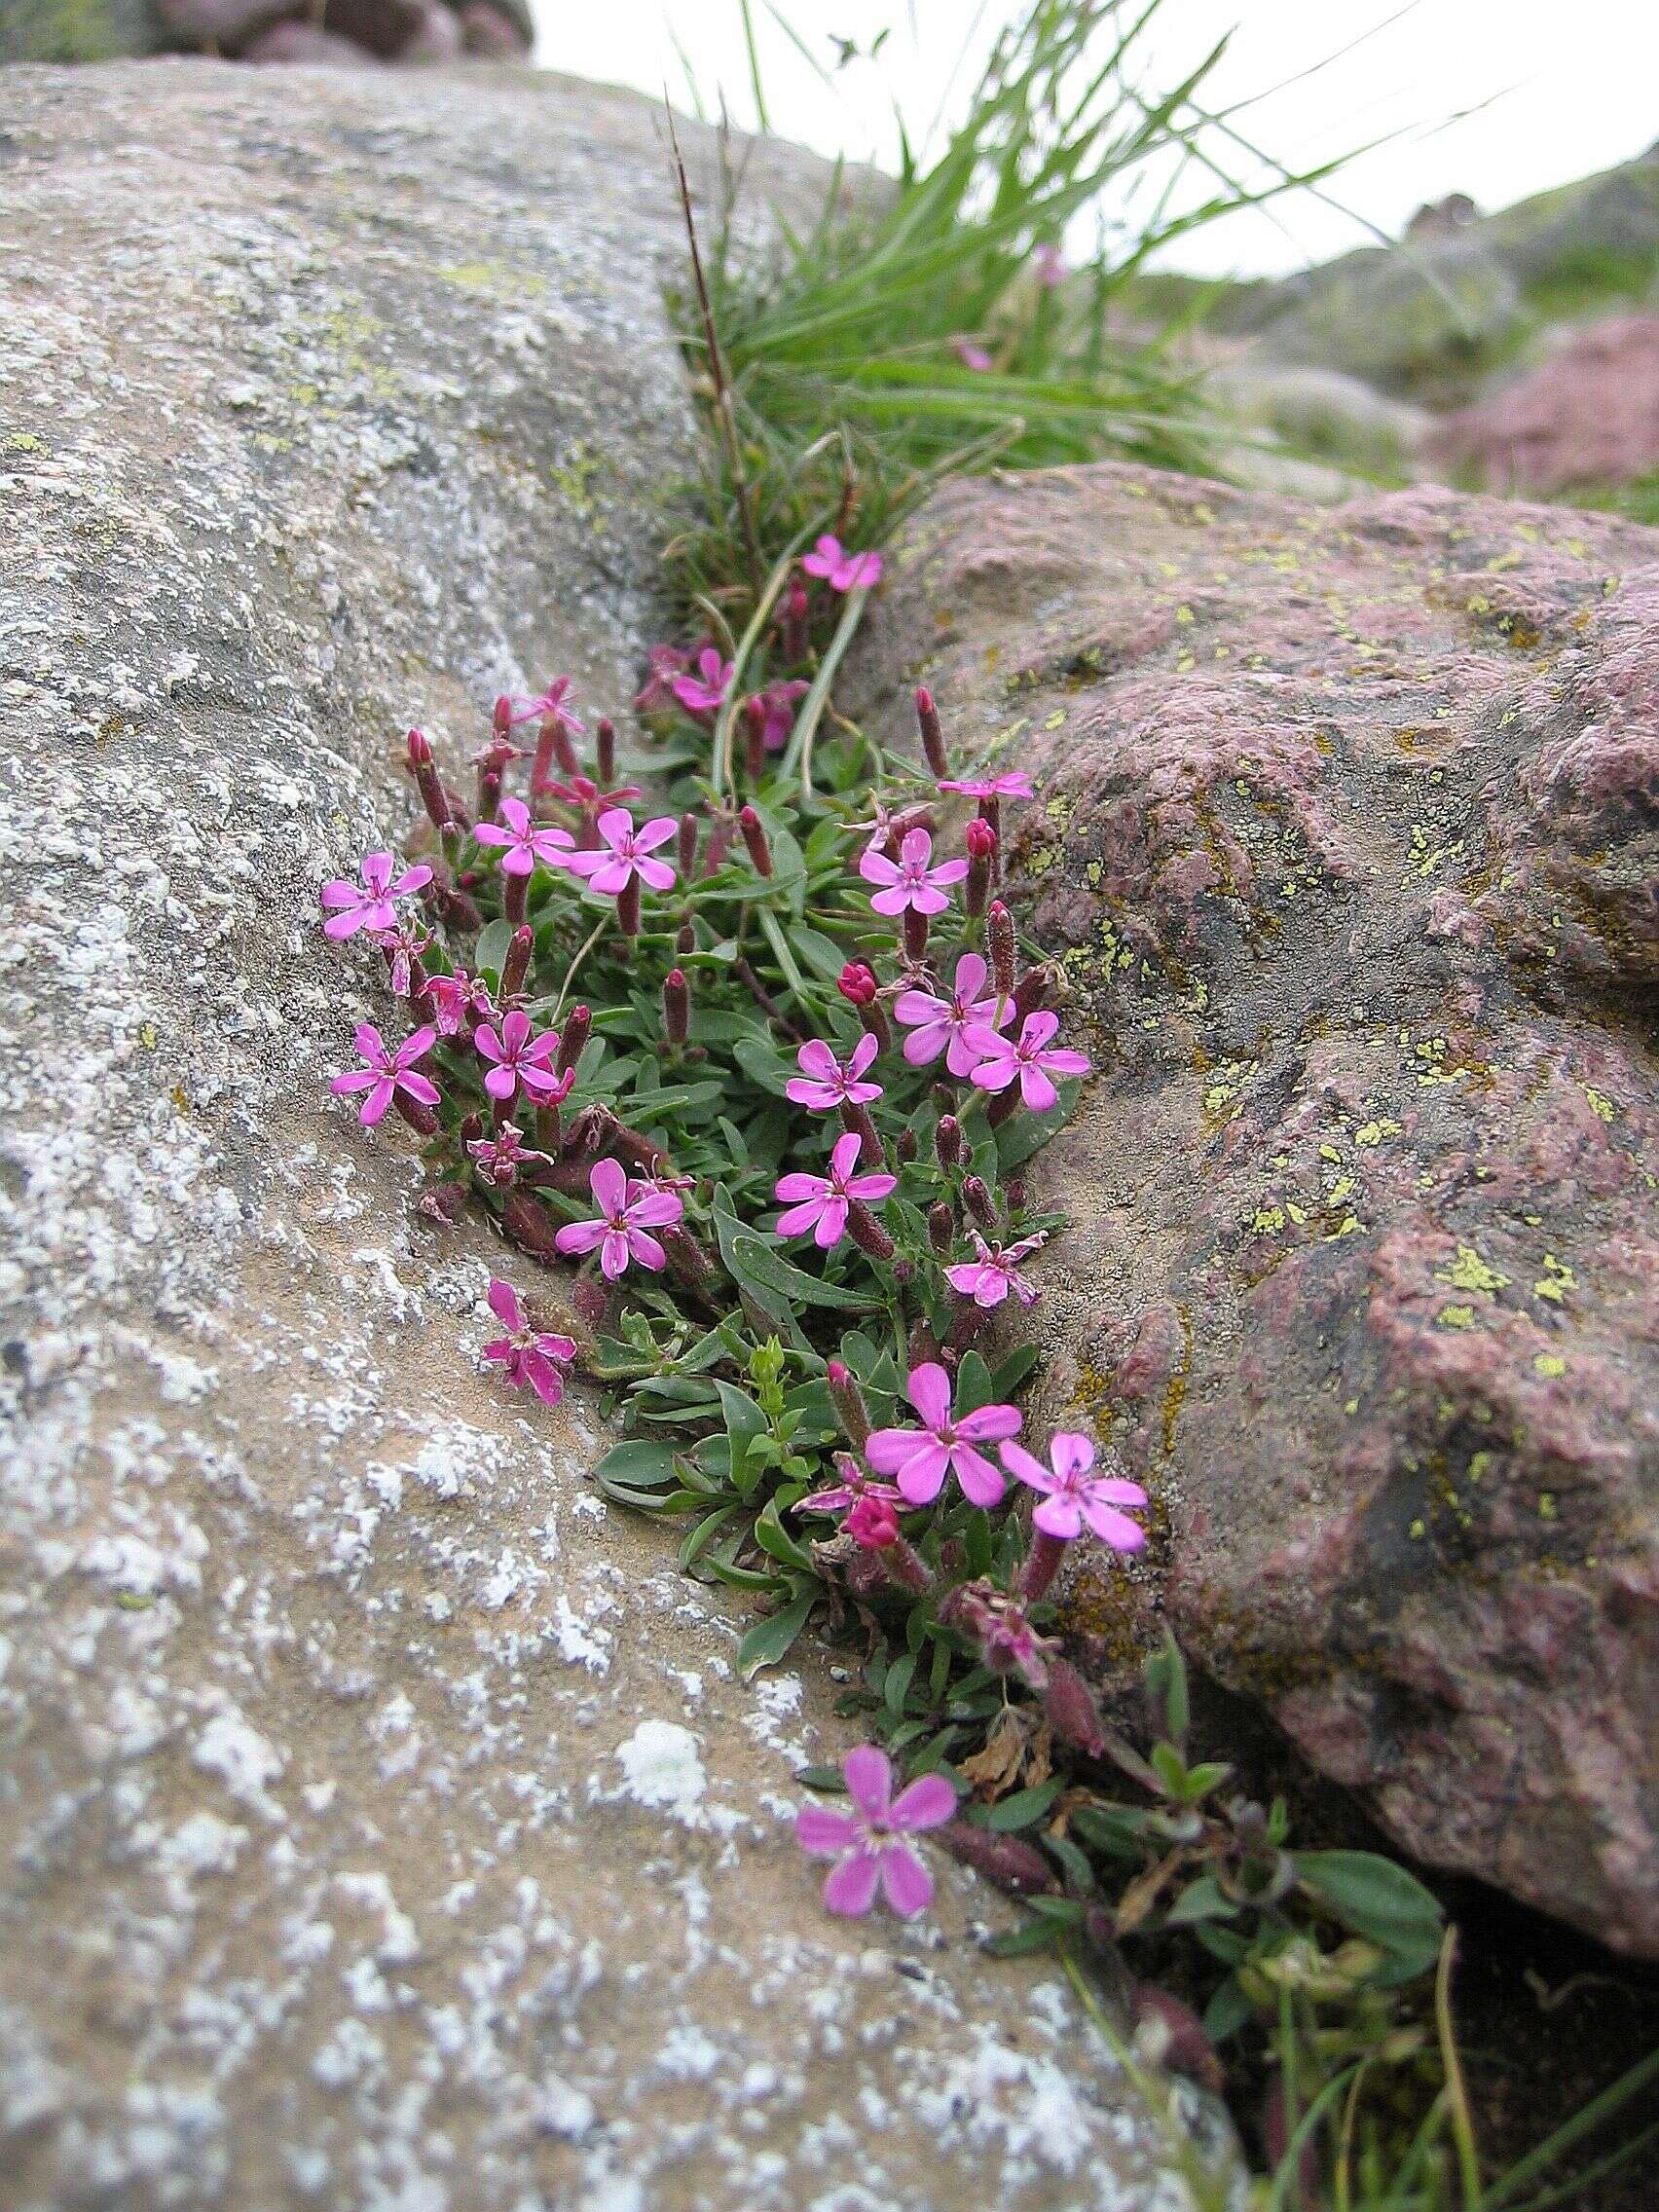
x: 1494, y: 97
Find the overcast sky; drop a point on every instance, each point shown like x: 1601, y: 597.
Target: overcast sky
x: 1493, y: 98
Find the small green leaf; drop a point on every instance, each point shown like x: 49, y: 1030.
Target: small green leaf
x: 897, y: 1686
x: 1375, y: 1898
x: 768, y: 1641
x: 1200, y: 1900
x: 638, y: 1464
x: 492, y: 947
x: 763, y: 1267
x: 1227, y: 2011
x: 1024, y: 1808
x: 973, y: 1385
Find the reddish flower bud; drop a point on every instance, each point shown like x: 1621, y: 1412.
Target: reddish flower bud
x: 530, y: 1226
x: 687, y: 843
x: 502, y: 719
x: 980, y: 839
x: 916, y: 936
x: 906, y: 1148
x: 421, y: 1118
x: 687, y: 941
x: 942, y: 1229
x: 933, y: 732
x: 755, y: 737
x: 1071, y: 1711
x: 982, y: 856
x: 685, y: 1256
x: 796, y: 611
x: 999, y: 942
x: 848, y: 1401
x: 978, y: 1200
x: 573, y: 1037
x: 948, y: 1141
x: 1007, y: 1860
x: 866, y: 1233
x: 489, y: 767
x: 517, y: 898
x: 605, y: 743
x: 856, y: 983
x: 423, y: 770
x: 1013, y: 1193
x: 754, y: 837
x: 1030, y: 992
x: 719, y: 843
x: 1172, y: 2036
x: 872, y: 1522
x: 589, y: 1300
x: 516, y: 966
x: 676, y: 1008
x: 1042, y: 1565
x: 443, y: 1202
x: 628, y: 908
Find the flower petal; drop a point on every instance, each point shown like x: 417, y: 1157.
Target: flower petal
x: 928, y: 1392
x: 870, y: 1780
x: 824, y: 1831
x: 609, y: 1185
x: 905, y: 1882
x: 851, y: 1887
x: 928, y: 1801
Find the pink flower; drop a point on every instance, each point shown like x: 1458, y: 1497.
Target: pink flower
x: 626, y: 1211
x: 1073, y: 1495
x: 819, y: 1202
x: 908, y: 881
x: 853, y: 1485
x: 386, y: 1073
x: 457, y: 998
x: 778, y: 704
x: 1014, y: 784
x: 704, y: 692
x: 840, y: 569
x: 867, y: 1844
x: 623, y: 854
x: 824, y: 1082
x: 583, y: 792
x: 941, y: 1025
x: 501, y: 1154
x: 988, y: 1279
x: 529, y: 1354
x: 665, y: 663
x: 520, y: 1057
x: 872, y: 1522
x: 1030, y: 1060
x: 526, y: 841
x: 972, y: 357
x: 369, y: 906
x: 1048, y: 266
x: 550, y: 702
x: 920, y: 1461
x: 403, y: 945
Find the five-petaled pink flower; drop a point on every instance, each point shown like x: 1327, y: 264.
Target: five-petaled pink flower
x: 623, y: 854
x: 550, y: 702
x: 627, y: 1210
x: 988, y: 1279
x: 1014, y: 784
x: 525, y: 841
x: 1072, y: 1494
x: 665, y: 663
x: 867, y: 1844
x: 919, y: 1459
x: 530, y: 1353
x: 826, y: 1083
x: 386, y: 1073
x: 909, y: 881
x: 503, y: 1153
x: 1031, y: 1058
x: 368, y: 905
x: 704, y: 692
x: 458, y: 1000
x: 778, y: 705
x: 841, y: 569
x: 821, y: 1202
x: 855, y: 1483
x: 942, y: 1024
x: 518, y: 1056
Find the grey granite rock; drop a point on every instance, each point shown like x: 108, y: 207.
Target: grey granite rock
x: 382, y: 1821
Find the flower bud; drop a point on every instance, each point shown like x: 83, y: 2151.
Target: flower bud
x: 589, y: 1300
x: 906, y: 1147
x: 795, y: 611
x: 628, y: 908
x: 916, y: 936
x: 604, y: 742
x: 754, y: 737
x: 687, y: 843
x: 1030, y: 992
x: 687, y: 941
x: 942, y: 1229
x: 848, y: 1401
x: 948, y: 1141
x: 530, y: 1226
x: 720, y: 844
x: 866, y: 1233
x: 443, y: 1202
x: 676, y: 1008
x: 573, y: 1037
x: 1042, y: 1565
x: 1070, y: 1708
x: 421, y: 1118
x: 999, y: 942
x: 423, y: 770
x: 856, y: 983
x: 981, y: 855
x: 872, y: 1522
x: 933, y: 732
x: 490, y: 768
x: 516, y: 966
x: 517, y: 898
x: 1007, y: 1860
x: 754, y: 837
x: 978, y: 1200
x: 1014, y: 1193
x: 685, y: 1256
x: 502, y: 719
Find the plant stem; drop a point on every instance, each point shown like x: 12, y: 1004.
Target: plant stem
x: 583, y: 951
x: 812, y: 706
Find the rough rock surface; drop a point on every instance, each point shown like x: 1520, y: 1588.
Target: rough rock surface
x: 381, y: 1823
x: 349, y: 32
x: 1348, y: 839
x: 1585, y: 418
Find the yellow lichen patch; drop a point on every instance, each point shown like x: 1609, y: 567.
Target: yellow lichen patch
x: 1469, y: 1272
x: 1550, y: 1363
x: 1557, y: 1280
x: 1267, y: 1221
x: 1601, y: 1106
x: 494, y: 280
x: 23, y: 441
x: 1373, y: 1132
x: 1455, y: 1316
x: 1176, y: 1391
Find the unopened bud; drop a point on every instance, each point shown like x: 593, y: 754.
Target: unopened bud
x: 1031, y: 991
x: 605, y: 745
x: 906, y: 1147
x: 676, y: 1008
x: 856, y: 983
x: 421, y: 1118
x: 573, y: 1037
x: 933, y: 732
x: 981, y: 855
x: 628, y: 908
x: 427, y: 781
x: 530, y: 1226
x: 516, y: 966
x: 589, y: 1300
x: 755, y: 737
x: 948, y: 1141
x: 1013, y: 1192
x: 687, y: 843
x: 942, y: 1229
x: 916, y: 935
x: 754, y: 837
x: 866, y: 1233
x: 685, y: 1256
x: 795, y: 611
x: 1042, y: 1565
x: 687, y: 941
x: 719, y: 843
x: 872, y: 1522
x: 999, y: 942
x: 978, y: 1199
x: 490, y: 769
x: 848, y: 1401
x: 1007, y: 1860
x: 502, y: 719
x: 1070, y: 1708
x: 517, y: 898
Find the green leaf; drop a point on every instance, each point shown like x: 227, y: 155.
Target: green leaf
x: 1166, y: 1677
x: 1227, y: 2011
x: 1373, y: 1896
x: 1024, y: 1808
x: 973, y: 1385
x: 1010, y: 1371
x: 826, y: 1777
x: 757, y: 1264
x: 768, y: 1641
x: 773, y: 1538
x: 897, y: 1686
x: 492, y: 947
x: 1200, y: 1900
x: 638, y: 1464
x: 822, y: 954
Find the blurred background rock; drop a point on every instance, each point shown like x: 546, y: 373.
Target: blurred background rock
x: 359, y: 32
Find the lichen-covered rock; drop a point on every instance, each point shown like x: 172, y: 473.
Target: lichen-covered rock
x: 381, y: 1819
x: 1347, y: 837
x: 1585, y: 418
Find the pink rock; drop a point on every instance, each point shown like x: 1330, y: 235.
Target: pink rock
x: 1355, y: 870
x: 1588, y: 415
x: 299, y: 41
